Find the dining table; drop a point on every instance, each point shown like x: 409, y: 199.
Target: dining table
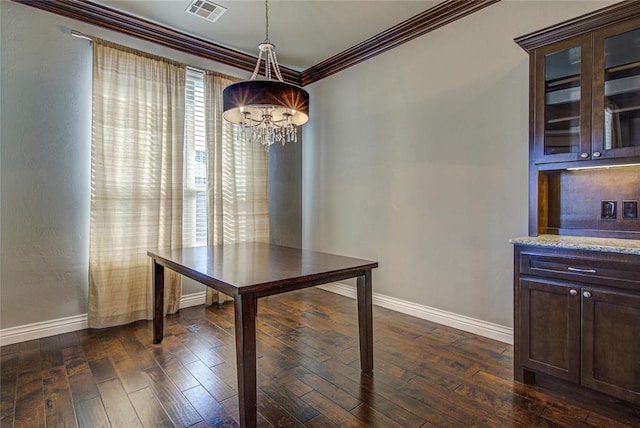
x: 246, y: 272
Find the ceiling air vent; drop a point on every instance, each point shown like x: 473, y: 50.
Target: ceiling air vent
x: 206, y: 10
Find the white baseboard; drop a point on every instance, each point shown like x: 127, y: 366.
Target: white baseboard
x: 39, y: 330
x: 461, y: 322
x: 42, y: 329
x: 193, y: 299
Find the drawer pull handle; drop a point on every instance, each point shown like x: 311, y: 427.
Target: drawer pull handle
x: 572, y: 269
x: 586, y: 294
x: 573, y: 292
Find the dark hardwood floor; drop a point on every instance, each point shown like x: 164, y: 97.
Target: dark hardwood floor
x: 308, y: 372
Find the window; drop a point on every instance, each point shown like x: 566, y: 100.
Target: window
x: 195, y: 200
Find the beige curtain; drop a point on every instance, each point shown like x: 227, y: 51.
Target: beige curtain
x: 136, y: 180
x: 236, y: 178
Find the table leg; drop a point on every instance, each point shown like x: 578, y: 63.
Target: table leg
x: 158, y: 302
x: 245, y: 312
x: 365, y: 321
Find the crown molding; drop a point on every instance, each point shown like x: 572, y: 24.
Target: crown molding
x: 582, y: 24
x: 444, y: 13
x: 112, y: 19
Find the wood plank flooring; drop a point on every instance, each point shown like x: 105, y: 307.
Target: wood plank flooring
x: 425, y: 375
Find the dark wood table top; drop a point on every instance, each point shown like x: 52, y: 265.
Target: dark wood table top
x: 253, y: 267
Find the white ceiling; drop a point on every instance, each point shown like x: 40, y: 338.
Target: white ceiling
x: 305, y: 32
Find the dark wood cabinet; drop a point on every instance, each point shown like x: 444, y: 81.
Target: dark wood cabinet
x: 584, y: 119
x: 577, y: 309
x: 577, y: 318
x: 550, y: 328
x: 611, y: 342
x: 585, y: 93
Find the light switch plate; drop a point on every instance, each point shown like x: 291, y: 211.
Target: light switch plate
x: 609, y: 210
x: 630, y: 210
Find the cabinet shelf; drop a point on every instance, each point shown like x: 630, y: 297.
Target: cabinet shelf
x: 565, y: 119
x: 623, y: 67
x: 624, y: 109
x: 614, y: 87
x: 622, y: 86
x: 562, y: 81
x: 562, y: 133
x: 563, y: 96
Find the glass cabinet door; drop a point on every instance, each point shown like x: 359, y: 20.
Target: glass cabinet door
x: 616, y: 98
x: 563, y: 89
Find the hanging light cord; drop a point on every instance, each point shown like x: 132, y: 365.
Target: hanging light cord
x: 266, y: 20
x: 266, y: 48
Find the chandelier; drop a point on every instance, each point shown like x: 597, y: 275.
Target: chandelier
x: 268, y: 111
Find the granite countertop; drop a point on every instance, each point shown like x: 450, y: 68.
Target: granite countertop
x: 609, y: 245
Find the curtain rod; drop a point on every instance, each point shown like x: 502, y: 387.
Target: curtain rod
x: 80, y: 35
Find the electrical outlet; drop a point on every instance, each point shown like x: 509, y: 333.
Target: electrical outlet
x: 609, y: 210
x: 630, y: 209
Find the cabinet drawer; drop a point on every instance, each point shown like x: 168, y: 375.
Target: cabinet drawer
x: 623, y: 272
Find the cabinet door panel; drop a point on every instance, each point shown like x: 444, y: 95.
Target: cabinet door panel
x: 616, y: 91
x: 550, y: 328
x: 611, y: 343
x: 563, y: 101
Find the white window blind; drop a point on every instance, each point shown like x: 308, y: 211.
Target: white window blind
x: 195, y: 202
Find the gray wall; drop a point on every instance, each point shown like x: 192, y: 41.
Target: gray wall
x: 45, y: 143
x: 417, y: 158
x: 285, y: 194
x: 45, y: 136
x: 405, y: 160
